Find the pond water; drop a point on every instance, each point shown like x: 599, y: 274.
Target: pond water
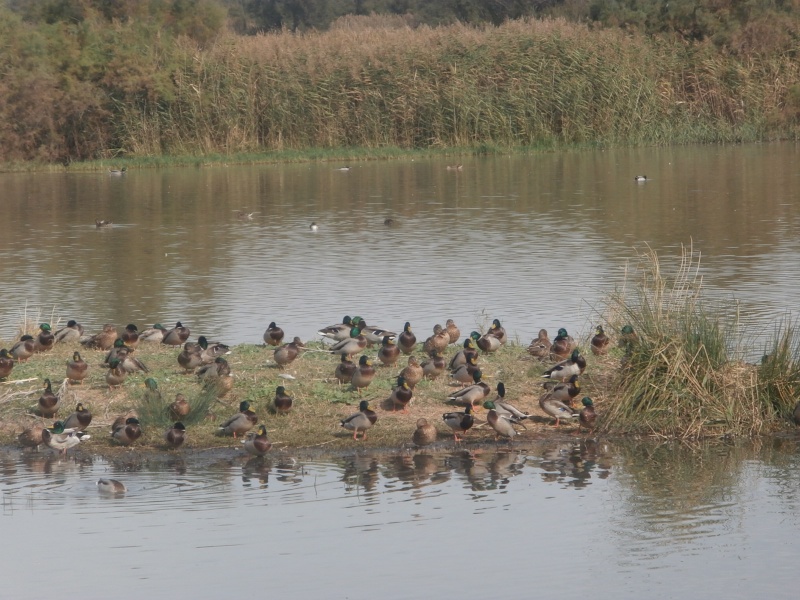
x: 533, y: 240
x: 551, y: 519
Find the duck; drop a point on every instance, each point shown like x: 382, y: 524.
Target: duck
x: 179, y: 408
x: 118, y: 350
x: 413, y: 372
x: 211, y: 350
x: 6, y: 363
x: 461, y: 357
x: 587, y: 416
x: 79, y: 420
x: 627, y: 338
x: 152, y: 395
x: 288, y: 352
x: 564, y: 391
x: 563, y: 345
x: 458, y: 167
x: 175, y: 436
x: 153, y: 334
x: 563, y: 371
x: 48, y: 402
x: 438, y: 342
x: 452, y: 330
x: 360, y: 421
x: 600, y: 342
x: 498, y: 331
x: 344, y: 168
x: 434, y: 366
x: 339, y: 331
x: 401, y: 395
x: 257, y: 442
x: 131, y: 335
x: 244, y: 216
x: 273, y: 335
x: 640, y: 178
x: 31, y: 437
x: 463, y: 374
x: 45, y: 340
x: 540, y: 347
x: 374, y: 335
x: 24, y: 348
x: 424, y: 434
x: 473, y: 394
x: 407, y: 341
x: 389, y: 222
x: 121, y: 171
x: 555, y: 408
x: 104, y: 223
x: 282, y: 402
x: 191, y: 356
x: 240, y: 423
x: 115, y: 376
x: 345, y: 369
x: 389, y: 352
x: 505, y: 408
x: 128, y: 432
x: 314, y: 227
x: 120, y: 420
x: 71, y: 333
x: 487, y: 342
x: 103, y: 340
x: 130, y: 363
x: 459, y: 422
x: 363, y: 375
x: 352, y: 345
x: 503, y: 426
x: 214, y: 370
x: 111, y: 486
x: 62, y: 439
x: 176, y: 336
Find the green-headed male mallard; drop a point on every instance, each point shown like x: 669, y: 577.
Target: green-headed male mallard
x: 503, y: 426
x: 459, y: 422
x: 80, y: 419
x: 71, y: 333
x: 413, y: 372
x: 153, y: 334
x: 273, y: 335
x: 103, y: 340
x: 389, y: 352
x: 498, y: 331
x: 281, y: 402
x: 338, y: 332
x: 407, y: 341
x: 505, y: 408
x: 45, y: 340
x: 77, y: 368
x: 48, y: 403
x: 352, y: 345
x: 175, y: 436
x: 257, y: 443
x: 6, y: 363
x: 62, y: 439
x: 176, y: 336
x: 487, y: 342
x: 374, y: 335
x: 424, y: 434
x: 152, y: 395
x: 286, y: 354
x: 360, y: 421
x: 627, y: 338
x: 401, y: 395
x: 563, y: 345
x: 555, y: 408
x: 131, y: 335
x: 363, y: 375
x: 563, y: 371
x: 128, y: 432
x: 600, y: 342
x: 462, y: 356
x: 472, y: 395
x: 564, y: 391
x: 540, y: 347
x: 24, y: 348
x: 587, y: 416
x: 118, y: 350
x: 240, y: 423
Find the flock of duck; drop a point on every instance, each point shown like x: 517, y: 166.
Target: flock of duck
x: 349, y: 338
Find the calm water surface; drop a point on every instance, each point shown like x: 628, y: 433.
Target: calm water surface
x: 552, y: 519
x: 533, y: 240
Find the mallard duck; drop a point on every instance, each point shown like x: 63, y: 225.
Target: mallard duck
x: 131, y: 335
x: 374, y: 335
x: 273, y: 335
x: 461, y: 357
x: 115, y: 376
x: 360, y: 421
x: 211, y: 350
x: 363, y: 375
x: 79, y: 420
x: 152, y: 395
x: 111, y: 486
x: 587, y: 416
x: 218, y: 368
x: 424, y: 434
x: 176, y: 336
x: 175, y: 435
x: 407, y: 341
x: 6, y: 363
x: 240, y: 423
x: 153, y: 334
x: 257, y: 442
x: 627, y: 338
x: 339, y: 332
x: 121, y: 171
x: 71, y: 333
x: 45, y: 340
x: 413, y: 372
x: 61, y: 439
x: 288, y: 352
x: 31, y: 437
x: 118, y: 350
x: 564, y: 391
x: 555, y: 408
x: 640, y: 178
x: 463, y: 374
x: 459, y: 422
x: 314, y: 227
x: 498, y: 331
x: 562, y: 345
x: 472, y: 395
x: 244, y: 216
x: 353, y: 345
x: 487, y: 342
x: 103, y: 340
x: 48, y: 402
x: 179, y: 408
x: 452, y: 330
x: 563, y: 371
x: 345, y: 369
x: 24, y: 348
x: 401, y: 395
x: 505, y: 408
x: 130, y: 363
x: 455, y: 167
x: 127, y: 433
x: 191, y: 356
x: 389, y: 353
x: 438, y: 342
x: 502, y: 426
x: 105, y: 223
x: 600, y: 342
x: 120, y: 420
x: 389, y: 222
x: 77, y: 368
x: 434, y: 366
x: 540, y: 347
x: 282, y: 402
